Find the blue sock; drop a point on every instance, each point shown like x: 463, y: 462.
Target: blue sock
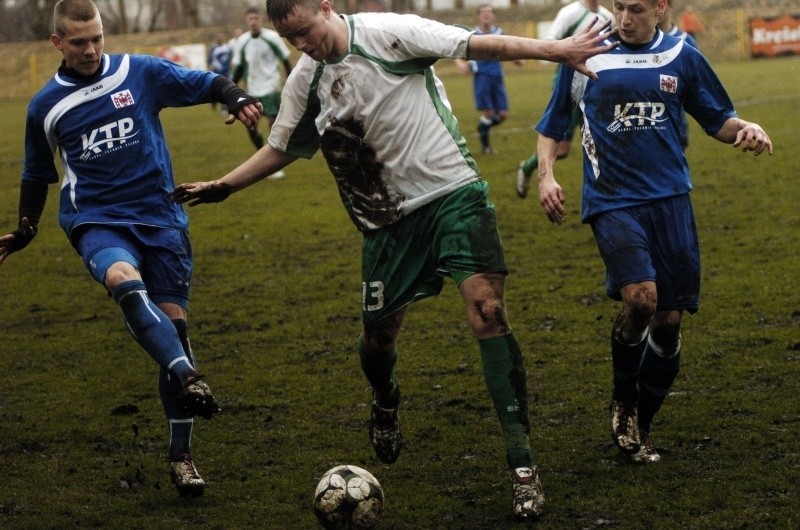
x: 180, y: 425
x: 152, y: 329
x: 656, y: 376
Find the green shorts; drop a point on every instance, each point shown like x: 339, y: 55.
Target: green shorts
x: 453, y: 236
x: 271, y: 103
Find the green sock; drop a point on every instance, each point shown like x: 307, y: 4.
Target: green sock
x: 506, y: 381
x: 380, y: 374
x: 530, y: 164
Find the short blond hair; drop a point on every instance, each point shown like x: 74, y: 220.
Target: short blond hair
x: 79, y: 10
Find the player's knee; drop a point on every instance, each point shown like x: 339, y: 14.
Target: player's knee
x: 488, y: 317
x: 140, y: 313
x: 640, y: 305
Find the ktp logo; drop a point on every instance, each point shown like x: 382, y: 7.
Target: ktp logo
x: 107, y: 138
x: 637, y: 114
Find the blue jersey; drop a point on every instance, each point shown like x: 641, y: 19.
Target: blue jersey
x: 219, y: 59
x: 490, y: 67
x: 680, y: 34
x: 117, y: 169
x: 631, y: 120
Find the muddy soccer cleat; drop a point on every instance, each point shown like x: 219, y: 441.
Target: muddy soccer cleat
x: 624, y: 429
x: 384, y: 431
x: 647, y: 453
x: 196, y: 399
x: 528, y: 503
x: 184, y: 475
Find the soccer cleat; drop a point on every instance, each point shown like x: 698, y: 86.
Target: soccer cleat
x: 523, y: 181
x: 196, y: 399
x: 528, y: 493
x: 384, y: 431
x: 489, y: 151
x: 277, y: 175
x: 647, y: 452
x: 624, y: 429
x: 184, y: 475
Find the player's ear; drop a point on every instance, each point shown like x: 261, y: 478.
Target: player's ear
x: 56, y: 40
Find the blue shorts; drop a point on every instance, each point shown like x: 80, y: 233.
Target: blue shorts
x: 652, y: 242
x: 163, y: 257
x: 490, y: 93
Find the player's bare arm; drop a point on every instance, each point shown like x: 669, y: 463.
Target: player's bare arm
x: 747, y: 135
x: 551, y: 196
x: 263, y: 163
x: 572, y: 51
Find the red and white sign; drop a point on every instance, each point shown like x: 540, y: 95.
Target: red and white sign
x: 771, y: 37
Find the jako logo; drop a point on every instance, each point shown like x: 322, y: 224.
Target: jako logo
x: 637, y: 115
x: 107, y: 137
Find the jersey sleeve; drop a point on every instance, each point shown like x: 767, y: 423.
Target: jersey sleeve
x: 411, y: 36
x: 39, y: 164
x: 294, y: 131
x: 557, y: 116
x: 279, y: 47
x: 178, y: 86
x: 706, y: 99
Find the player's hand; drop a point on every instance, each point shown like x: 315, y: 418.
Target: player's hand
x: 201, y: 192
x: 585, y: 44
x: 753, y: 138
x: 248, y: 115
x: 16, y: 240
x: 552, y: 199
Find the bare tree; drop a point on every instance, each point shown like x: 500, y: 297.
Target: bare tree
x: 191, y: 12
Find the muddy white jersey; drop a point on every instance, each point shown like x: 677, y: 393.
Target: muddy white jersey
x: 380, y: 116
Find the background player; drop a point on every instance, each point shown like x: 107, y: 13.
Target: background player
x: 570, y: 19
x: 488, y: 84
x: 260, y: 52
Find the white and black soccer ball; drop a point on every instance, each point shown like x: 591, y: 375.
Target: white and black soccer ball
x: 348, y: 497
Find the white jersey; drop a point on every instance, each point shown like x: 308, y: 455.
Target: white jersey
x: 573, y: 17
x: 380, y: 116
x: 262, y: 57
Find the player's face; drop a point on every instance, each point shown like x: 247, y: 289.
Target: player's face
x: 310, y: 31
x: 81, y: 45
x: 486, y: 16
x: 253, y: 21
x: 637, y: 19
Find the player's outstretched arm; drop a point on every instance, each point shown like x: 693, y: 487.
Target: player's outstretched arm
x: 263, y: 163
x: 572, y: 51
x: 551, y: 195
x: 747, y: 135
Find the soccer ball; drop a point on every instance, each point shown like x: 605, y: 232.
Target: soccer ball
x: 348, y: 497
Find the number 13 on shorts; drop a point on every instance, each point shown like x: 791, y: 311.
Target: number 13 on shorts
x: 372, y: 295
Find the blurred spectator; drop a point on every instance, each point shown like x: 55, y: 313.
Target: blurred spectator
x: 219, y: 61
x: 690, y: 22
